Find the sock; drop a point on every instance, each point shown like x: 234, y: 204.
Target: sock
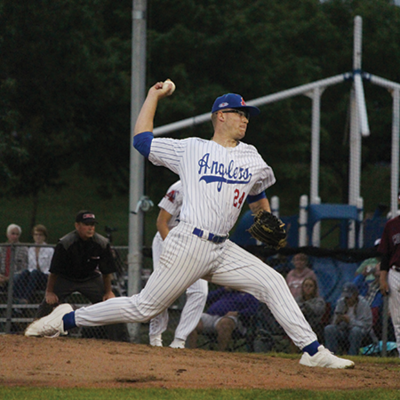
x: 312, y: 348
x: 69, y: 321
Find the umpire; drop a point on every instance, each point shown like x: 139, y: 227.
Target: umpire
x: 82, y: 262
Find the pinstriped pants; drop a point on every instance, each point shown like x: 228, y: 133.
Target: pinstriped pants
x: 187, y: 258
x: 196, y: 296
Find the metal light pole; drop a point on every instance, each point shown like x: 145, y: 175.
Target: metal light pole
x: 136, y: 181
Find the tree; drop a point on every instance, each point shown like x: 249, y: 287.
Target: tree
x: 59, y: 77
x: 262, y: 47
x: 65, y: 71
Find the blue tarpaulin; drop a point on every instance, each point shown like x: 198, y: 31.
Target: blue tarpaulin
x: 332, y: 274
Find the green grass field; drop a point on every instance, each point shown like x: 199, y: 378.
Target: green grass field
x: 17, y: 393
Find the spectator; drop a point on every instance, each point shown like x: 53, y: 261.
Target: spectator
x: 369, y: 289
x: 312, y: 305
x: 228, y: 310
x: 9, y: 253
x: 300, y: 272
x: 369, y: 265
x: 82, y: 262
x: 352, y: 321
x: 39, y: 258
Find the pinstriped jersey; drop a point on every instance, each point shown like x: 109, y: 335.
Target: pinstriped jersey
x: 172, y: 202
x: 215, y: 179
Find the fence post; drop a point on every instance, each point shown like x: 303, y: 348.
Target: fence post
x: 303, y: 217
x: 316, y: 229
x: 360, y: 209
x: 10, y: 291
x: 275, y: 206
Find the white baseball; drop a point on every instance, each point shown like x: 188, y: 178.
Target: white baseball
x: 172, y: 86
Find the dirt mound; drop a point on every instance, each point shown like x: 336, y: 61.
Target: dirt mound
x: 66, y: 362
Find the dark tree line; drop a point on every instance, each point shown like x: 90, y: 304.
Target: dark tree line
x: 65, y: 84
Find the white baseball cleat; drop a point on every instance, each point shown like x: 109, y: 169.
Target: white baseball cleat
x: 178, y: 344
x: 156, y: 340
x: 51, y: 325
x: 324, y: 358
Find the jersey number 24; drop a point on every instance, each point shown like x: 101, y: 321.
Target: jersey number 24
x: 238, y: 199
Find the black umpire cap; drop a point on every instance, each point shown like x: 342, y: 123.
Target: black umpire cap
x: 86, y: 217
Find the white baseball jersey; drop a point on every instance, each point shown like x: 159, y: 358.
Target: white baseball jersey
x: 172, y: 203
x: 215, y: 182
x: 196, y: 294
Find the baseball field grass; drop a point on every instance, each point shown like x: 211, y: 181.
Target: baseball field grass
x: 17, y: 393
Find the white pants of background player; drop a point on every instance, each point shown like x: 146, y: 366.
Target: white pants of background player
x: 185, y: 259
x: 196, y: 296
x: 394, y: 303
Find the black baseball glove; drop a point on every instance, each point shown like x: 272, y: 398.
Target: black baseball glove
x: 269, y: 230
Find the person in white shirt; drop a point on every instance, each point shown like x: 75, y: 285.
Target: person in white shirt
x: 39, y: 259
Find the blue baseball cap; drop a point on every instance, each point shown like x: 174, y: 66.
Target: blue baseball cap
x: 232, y: 100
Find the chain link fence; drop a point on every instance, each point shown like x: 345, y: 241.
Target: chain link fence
x: 22, y: 290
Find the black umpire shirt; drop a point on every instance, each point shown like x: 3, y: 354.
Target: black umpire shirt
x: 81, y: 260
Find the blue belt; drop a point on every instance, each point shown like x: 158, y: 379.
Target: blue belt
x: 211, y: 237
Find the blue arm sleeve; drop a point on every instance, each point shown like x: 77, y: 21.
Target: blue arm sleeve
x: 252, y: 199
x: 142, y: 143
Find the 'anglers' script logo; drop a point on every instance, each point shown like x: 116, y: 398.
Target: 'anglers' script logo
x: 213, y: 171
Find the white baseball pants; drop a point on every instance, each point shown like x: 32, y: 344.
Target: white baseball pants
x: 196, y: 297
x: 185, y: 259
